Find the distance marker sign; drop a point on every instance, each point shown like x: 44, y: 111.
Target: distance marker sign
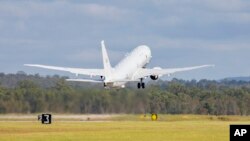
x: 45, y: 118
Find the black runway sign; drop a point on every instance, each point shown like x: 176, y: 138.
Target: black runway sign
x: 45, y: 118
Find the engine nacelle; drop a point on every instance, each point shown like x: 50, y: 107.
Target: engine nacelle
x: 102, y: 77
x: 154, y: 77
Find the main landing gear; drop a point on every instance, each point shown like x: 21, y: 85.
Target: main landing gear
x: 141, y: 84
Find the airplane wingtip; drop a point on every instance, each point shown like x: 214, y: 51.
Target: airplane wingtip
x: 30, y: 65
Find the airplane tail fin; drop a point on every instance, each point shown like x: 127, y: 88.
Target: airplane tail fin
x: 106, y: 62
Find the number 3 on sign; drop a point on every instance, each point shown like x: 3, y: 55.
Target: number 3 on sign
x: 47, y: 121
x: 46, y: 118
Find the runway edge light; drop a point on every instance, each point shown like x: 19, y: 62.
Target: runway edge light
x: 154, y: 116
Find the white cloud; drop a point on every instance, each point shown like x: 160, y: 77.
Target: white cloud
x: 203, y: 5
x: 103, y: 11
x: 225, y: 5
x: 221, y: 45
x: 27, y: 9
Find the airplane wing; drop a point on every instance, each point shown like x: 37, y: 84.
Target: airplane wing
x: 141, y: 73
x: 100, y: 80
x: 85, y: 80
x: 91, y: 72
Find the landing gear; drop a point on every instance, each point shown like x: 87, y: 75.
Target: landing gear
x: 141, y: 84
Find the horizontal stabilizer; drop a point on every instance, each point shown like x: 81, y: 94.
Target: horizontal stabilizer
x: 85, y: 80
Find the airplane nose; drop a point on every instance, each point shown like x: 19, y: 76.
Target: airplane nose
x: 148, y: 51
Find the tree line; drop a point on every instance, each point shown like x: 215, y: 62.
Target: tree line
x: 22, y: 93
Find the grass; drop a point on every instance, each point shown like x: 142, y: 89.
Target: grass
x: 125, y: 128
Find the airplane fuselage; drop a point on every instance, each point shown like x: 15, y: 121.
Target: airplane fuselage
x: 128, y: 66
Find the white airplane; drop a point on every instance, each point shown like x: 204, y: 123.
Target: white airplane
x: 130, y: 68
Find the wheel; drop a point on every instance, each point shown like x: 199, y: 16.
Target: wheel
x: 143, y: 85
x: 139, y: 85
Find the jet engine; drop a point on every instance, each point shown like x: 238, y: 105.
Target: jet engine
x: 102, y: 77
x: 155, y: 77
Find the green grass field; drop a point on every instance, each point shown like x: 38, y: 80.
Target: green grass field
x: 123, y: 127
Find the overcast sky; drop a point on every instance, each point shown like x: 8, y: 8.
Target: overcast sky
x: 180, y: 33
